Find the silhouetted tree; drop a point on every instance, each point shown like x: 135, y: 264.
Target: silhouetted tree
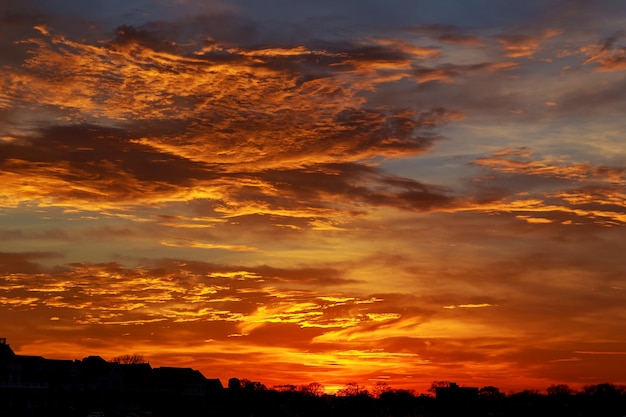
x: 286, y: 388
x: 491, y: 400
x: 380, y: 388
x: 524, y: 403
x: 398, y: 402
x: 559, y: 390
x: 133, y: 359
x: 604, y: 390
x: 438, y: 384
x: 314, y: 388
x: 252, y: 385
x: 351, y: 389
x: 561, y: 401
x: 605, y: 400
x: 490, y: 392
x: 354, y: 400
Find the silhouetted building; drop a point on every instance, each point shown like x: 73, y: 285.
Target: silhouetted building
x: 33, y: 385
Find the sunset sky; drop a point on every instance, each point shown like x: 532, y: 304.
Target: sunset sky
x: 334, y: 190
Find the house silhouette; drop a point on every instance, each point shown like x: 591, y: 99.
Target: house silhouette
x: 34, y: 385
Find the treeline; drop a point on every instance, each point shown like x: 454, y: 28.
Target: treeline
x: 252, y: 398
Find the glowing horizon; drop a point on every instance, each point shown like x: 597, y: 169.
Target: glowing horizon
x: 406, y: 191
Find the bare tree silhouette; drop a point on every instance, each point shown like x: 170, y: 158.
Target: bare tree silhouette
x: 133, y: 359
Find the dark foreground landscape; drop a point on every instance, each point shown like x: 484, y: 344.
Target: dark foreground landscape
x: 127, y: 386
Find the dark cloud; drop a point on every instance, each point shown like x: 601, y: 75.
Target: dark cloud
x: 305, y: 276
x: 105, y: 164
x: 227, y: 29
x: 450, y: 72
x: 448, y: 34
x: 96, y: 163
x: 18, y: 234
x: 129, y: 35
x: 599, y: 100
x: 25, y: 263
x: 353, y: 184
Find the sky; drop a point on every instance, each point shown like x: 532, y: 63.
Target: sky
x: 398, y: 191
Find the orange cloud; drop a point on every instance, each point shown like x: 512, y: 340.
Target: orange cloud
x: 587, y: 193
x: 609, y: 57
x: 268, y: 112
x: 519, y: 46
